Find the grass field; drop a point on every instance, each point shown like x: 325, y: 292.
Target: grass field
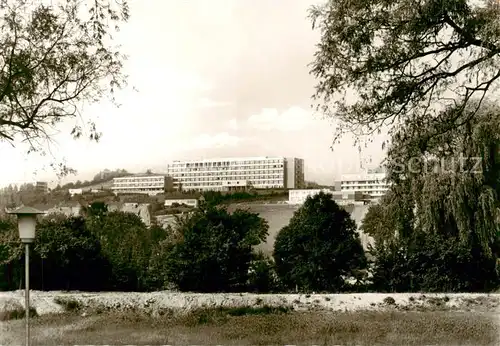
x: 260, y: 327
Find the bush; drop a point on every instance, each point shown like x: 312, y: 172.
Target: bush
x: 69, y: 305
x: 16, y: 314
x: 103, y: 251
x: 319, y: 247
x: 65, y: 255
x: 262, y: 277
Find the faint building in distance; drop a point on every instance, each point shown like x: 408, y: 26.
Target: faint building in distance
x: 74, y: 192
x: 190, y: 202
x: 41, y: 187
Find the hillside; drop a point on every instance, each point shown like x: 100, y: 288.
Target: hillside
x: 104, y: 177
x: 105, y: 185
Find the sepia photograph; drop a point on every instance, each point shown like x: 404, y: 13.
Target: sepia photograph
x: 249, y: 172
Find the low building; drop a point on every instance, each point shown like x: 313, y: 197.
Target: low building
x: 74, y: 192
x: 298, y: 197
x: 373, y: 184
x: 69, y: 211
x: 151, y: 184
x: 190, y: 202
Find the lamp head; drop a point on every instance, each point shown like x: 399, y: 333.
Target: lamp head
x: 26, y: 219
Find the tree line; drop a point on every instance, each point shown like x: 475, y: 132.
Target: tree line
x: 213, y: 250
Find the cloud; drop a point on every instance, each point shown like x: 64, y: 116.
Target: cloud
x: 293, y: 119
x: 219, y: 140
x: 209, y: 103
x: 233, y: 124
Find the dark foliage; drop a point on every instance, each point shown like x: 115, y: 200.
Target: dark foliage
x: 432, y: 264
x: 262, y: 277
x: 319, y: 247
x: 215, y: 250
x: 65, y: 256
x: 417, y: 63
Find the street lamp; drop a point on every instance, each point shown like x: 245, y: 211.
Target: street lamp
x: 26, y: 220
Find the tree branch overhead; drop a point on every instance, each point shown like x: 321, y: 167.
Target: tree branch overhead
x: 52, y: 62
x: 406, y: 60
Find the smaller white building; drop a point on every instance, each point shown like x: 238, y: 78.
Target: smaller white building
x: 373, y: 184
x: 73, y: 192
x: 191, y: 202
x: 145, y: 184
x: 298, y: 197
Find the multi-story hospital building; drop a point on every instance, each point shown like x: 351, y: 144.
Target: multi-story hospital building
x: 226, y: 174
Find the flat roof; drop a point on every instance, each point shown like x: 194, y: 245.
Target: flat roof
x: 363, y: 176
x: 142, y: 175
x: 243, y: 158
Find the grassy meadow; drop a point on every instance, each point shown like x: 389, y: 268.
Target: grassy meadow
x: 258, y: 326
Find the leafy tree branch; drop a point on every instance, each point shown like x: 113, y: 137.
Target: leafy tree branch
x: 404, y: 62
x: 54, y: 59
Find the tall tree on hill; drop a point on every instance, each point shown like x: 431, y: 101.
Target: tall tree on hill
x: 54, y: 58
x: 211, y: 250
x: 412, y: 62
x: 319, y: 248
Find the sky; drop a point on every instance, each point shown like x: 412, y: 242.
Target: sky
x: 216, y: 78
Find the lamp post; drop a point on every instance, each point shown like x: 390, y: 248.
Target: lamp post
x: 26, y: 220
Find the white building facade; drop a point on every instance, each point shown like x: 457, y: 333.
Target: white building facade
x: 227, y: 174
x: 190, y: 202
x: 73, y: 192
x: 373, y: 184
x: 298, y: 197
x: 144, y: 184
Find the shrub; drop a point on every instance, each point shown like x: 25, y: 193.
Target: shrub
x: 69, y: 305
x: 389, y: 301
x: 15, y: 311
x: 262, y: 277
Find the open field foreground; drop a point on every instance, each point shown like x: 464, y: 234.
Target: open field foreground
x: 324, y: 319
